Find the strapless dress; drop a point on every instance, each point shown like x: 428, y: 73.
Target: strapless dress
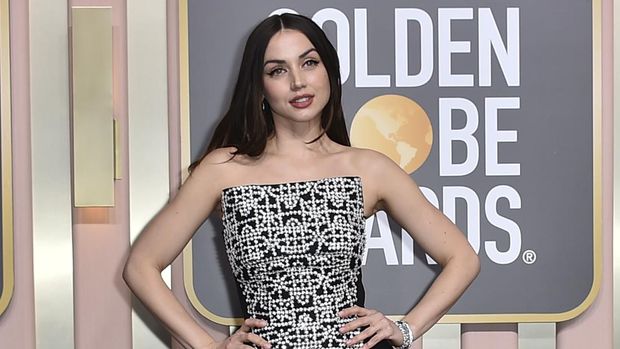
x: 296, y: 253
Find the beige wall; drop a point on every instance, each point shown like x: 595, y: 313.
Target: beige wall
x: 102, y: 311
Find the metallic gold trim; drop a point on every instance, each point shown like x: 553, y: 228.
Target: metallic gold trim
x: 93, y: 128
x: 188, y: 269
x: 184, y: 88
x: 7, y: 169
x: 447, y: 319
x: 188, y: 278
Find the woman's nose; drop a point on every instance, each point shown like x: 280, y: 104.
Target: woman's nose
x: 297, y: 80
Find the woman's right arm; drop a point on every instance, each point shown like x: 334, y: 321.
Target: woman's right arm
x: 164, y: 238
x: 159, y: 244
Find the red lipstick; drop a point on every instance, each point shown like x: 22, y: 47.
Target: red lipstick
x: 302, y: 101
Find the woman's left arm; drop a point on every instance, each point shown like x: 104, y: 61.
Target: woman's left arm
x: 400, y: 197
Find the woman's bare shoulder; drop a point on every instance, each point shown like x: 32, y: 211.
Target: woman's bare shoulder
x: 368, y: 161
x: 218, y: 166
x: 375, y: 167
x: 224, y: 168
x: 218, y: 156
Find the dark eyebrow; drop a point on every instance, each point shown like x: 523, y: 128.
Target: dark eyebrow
x: 280, y: 61
x: 307, y: 52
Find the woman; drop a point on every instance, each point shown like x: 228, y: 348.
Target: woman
x: 294, y: 197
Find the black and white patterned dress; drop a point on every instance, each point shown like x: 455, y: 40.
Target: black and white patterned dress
x: 296, y: 252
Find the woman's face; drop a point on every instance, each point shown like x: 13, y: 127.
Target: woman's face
x: 295, y: 81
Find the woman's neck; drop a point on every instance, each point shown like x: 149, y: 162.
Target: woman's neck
x: 287, y: 144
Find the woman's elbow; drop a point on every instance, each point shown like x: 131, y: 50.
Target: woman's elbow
x: 132, y: 271
x: 473, y: 263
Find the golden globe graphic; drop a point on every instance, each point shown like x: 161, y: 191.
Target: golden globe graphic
x: 395, y: 126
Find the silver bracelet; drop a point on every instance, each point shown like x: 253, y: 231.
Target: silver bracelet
x: 407, y: 334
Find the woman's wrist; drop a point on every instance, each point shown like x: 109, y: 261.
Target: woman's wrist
x: 404, y: 331
x: 208, y: 346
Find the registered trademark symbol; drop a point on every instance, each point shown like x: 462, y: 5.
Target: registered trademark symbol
x: 529, y: 257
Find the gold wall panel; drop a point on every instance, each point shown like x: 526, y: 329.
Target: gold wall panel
x: 51, y: 174
x: 5, y: 147
x: 149, y: 185
x: 93, y: 133
x: 184, y: 96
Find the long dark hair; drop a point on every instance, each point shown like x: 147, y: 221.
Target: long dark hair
x: 247, y: 125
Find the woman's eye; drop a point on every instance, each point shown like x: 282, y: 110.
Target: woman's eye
x: 276, y: 71
x: 311, y: 63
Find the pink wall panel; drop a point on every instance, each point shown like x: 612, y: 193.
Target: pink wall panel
x: 17, y: 322
x: 101, y: 235
x: 102, y: 304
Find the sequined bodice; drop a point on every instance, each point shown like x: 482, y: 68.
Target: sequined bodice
x: 295, y: 250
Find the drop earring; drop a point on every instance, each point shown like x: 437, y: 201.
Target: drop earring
x: 264, y: 105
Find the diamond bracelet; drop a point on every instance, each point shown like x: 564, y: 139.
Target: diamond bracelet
x: 407, y: 334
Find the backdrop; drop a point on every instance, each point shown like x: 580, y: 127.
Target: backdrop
x: 489, y: 107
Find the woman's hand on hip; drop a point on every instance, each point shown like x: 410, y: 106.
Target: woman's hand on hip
x: 376, y: 327
x: 243, y: 338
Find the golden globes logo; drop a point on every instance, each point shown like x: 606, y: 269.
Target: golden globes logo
x: 399, y: 128
x: 395, y: 126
